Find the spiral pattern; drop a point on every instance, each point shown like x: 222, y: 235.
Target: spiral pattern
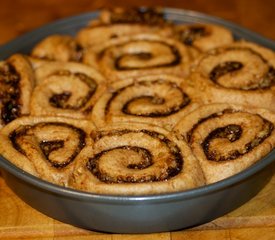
x: 158, y: 99
x: 127, y: 108
x: 66, y: 92
x: 228, y: 138
x: 45, y: 147
x: 142, y: 54
x: 115, y: 23
x: 241, y: 73
x: 203, y: 36
x: 148, y: 157
x: 140, y: 159
x: 16, y: 83
x: 239, y: 68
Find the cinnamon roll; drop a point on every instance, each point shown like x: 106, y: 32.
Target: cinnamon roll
x: 203, y: 36
x: 136, y: 159
x: 66, y: 89
x: 16, y: 84
x: 228, y: 138
x: 117, y: 22
x: 59, y: 48
x: 156, y: 99
x: 242, y: 73
x: 139, y: 55
x: 45, y: 147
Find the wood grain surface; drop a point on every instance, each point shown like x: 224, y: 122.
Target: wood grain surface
x: 254, y: 220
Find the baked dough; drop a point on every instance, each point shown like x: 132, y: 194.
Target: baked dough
x: 139, y: 55
x: 227, y: 138
x: 16, y: 85
x: 118, y: 22
x: 66, y: 89
x: 241, y: 73
x: 203, y: 36
x: 46, y: 147
x: 157, y: 99
x: 59, y: 48
x: 136, y: 159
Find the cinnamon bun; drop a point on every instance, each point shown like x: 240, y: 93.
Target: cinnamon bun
x: 203, y: 36
x: 242, y: 73
x: 59, y: 48
x: 140, y: 55
x: 45, y: 147
x: 135, y: 159
x: 66, y: 89
x: 16, y: 85
x: 156, y: 99
x: 117, y: 22
x: 227, y: 138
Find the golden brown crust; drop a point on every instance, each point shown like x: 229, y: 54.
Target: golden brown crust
x: 118, y: 22
x: 140, y: 55
x: 203, y: 36
x: 241, y: 73
x: 66, y: 89
x: 45, y: 147
x: 135, y: 159
x: 58, y: 47
x: 16, y: 85
x: 156, y: 99
x: 227, y: 138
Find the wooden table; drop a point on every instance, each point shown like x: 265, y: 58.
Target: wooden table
x: 254, y: 220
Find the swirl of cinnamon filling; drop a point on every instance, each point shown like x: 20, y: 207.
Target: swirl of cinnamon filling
x: 45, y: 147
x: 141, y: 54
x: 239, y: 73
x: 228, y: 138
x: 135, y: 159
x: 203, y: 36
x: 138, y: 158
x: 16, y: 83
x: 118, y: 22
x: 158, y: 99
x: 68, y: 89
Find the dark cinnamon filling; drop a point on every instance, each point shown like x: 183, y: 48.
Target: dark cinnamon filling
x: 60, y: 100
x: 146, y: 56
x: 148, y: 16
x: 233, y: 132
x: 202, y: 120
x: 154, y: 100
x: 146, y: 157
x: 265, y: 81
x: 268, y: 79
x: 224, y: 68
x: 146, y: 161
x: 9, y: 93
x: 192, y: 33
x: 78, y: 53
x: 46, y: 146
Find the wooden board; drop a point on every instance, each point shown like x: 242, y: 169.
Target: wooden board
x: 254, y: 220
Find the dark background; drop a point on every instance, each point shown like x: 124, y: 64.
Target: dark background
x: 20, y: 16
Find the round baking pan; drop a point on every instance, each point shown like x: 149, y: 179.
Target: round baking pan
x: 136, y: 214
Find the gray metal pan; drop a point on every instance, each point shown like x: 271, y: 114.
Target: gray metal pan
x: 136, y: 214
